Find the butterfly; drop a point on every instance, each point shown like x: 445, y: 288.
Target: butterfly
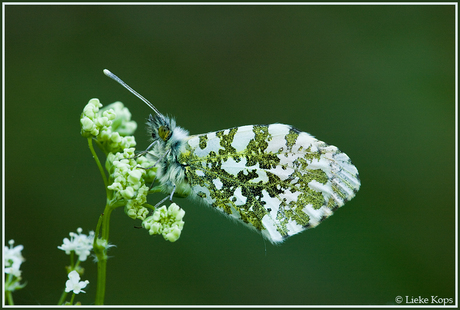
x: 273, y: 178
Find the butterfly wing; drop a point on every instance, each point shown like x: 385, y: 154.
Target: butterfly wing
x: 274, y: 178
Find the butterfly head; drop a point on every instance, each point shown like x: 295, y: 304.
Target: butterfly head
x: 160, y: 127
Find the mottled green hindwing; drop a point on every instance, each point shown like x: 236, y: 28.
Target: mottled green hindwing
x: 273, y: 178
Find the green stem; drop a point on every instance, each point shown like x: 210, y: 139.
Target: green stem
x: 98, y: 163
x: 9, y: 279
x: 101, y: 238
x: 72, y: 267
x: 149, y: 206
x: 101, y: 264
x: 61, y: 300
x: 71, y: 299
x: 100, y: 246
x: 101, y: 276
x: 9, y: 297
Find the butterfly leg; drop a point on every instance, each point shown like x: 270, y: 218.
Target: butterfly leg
x: 161, y: 201
x: 145, y: 151
x: 162, y: 156
x: 164, y: 199
x: 172, y: 193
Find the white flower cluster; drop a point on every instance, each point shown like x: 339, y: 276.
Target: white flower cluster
x: 128, y: 181
x: 111, y: 126
x: 12, y: 260
x: 131, y: 191
x: 80, y: 243
x: 166, y: 221
x: 130, y: 175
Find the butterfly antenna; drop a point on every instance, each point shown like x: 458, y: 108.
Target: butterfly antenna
x: 135, y: 93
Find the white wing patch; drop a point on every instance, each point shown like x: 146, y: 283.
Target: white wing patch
x: 273, y: 178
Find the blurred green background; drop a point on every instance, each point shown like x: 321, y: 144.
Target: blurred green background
x: 377, y: 81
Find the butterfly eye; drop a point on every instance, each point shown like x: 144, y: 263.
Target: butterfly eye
x: 164, y: 133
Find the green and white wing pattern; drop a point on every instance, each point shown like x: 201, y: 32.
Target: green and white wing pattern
x: 274, y: 178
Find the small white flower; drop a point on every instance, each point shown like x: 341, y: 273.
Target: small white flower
x: 74, y: 284
x: 88, y: 118
x: 80, y: 243
x: 13, y: 259
x: 122, y: 123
